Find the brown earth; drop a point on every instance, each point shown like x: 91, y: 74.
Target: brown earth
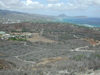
x: 6, y: 65
x: 92, y: 41
x: 37, y: 38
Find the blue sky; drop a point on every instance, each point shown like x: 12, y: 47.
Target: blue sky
x: 89, y: 8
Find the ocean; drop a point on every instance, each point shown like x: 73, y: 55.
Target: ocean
x: 89, y: 22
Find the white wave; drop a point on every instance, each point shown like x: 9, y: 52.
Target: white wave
x: 87, y: 25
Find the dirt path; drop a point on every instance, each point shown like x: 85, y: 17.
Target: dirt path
x: 97, y: 72
x: 25, y: 61
x: 81, y: 49
x: 30, y: 62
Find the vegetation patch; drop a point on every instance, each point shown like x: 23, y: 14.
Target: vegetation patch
x: 17, y: 39
x: 79, y: 57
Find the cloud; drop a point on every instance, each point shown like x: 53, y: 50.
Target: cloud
x: 56, y: 5
x: 5, y: 4
x: 77, y: 4
x: 2, y: 5
x: 96, y: 2
x: 21, y: 5
x: 28, y: 2
x: 53, y: 5
x: 52, y: 0
x: 33, y: 4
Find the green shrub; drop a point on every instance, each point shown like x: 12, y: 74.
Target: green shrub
x: 96, y: 56
x: 79, y: 57
x: 17, y: 39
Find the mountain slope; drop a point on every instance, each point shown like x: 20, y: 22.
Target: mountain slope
x: 7, y: 16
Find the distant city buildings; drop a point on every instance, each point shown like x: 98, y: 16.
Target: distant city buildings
x: 2, y: 32
x: 16, y: 35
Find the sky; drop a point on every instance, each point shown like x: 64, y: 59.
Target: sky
x: 89, y: 8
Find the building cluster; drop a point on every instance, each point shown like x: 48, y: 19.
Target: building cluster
x: 17, y: 35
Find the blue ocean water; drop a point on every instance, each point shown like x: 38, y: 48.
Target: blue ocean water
x: 90, y: 22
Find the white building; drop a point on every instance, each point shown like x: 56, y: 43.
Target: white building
x: 2, y: 32
x: 5, y: 36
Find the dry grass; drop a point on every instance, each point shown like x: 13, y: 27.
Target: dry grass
x: 37, y: 38
x: 1, y: 54
x: 51, y: 60
x: 92, y: 41
x: 46, y: 61
x: 4, y: 64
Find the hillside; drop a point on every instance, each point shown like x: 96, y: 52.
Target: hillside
x: 53, y: 48
x: 53, y: 29
x: 37, y: 46
x: 7, y: 16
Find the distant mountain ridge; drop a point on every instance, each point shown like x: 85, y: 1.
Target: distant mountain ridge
x: 7, y: 16
x: 63, y: 15
x: 81, y: 16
